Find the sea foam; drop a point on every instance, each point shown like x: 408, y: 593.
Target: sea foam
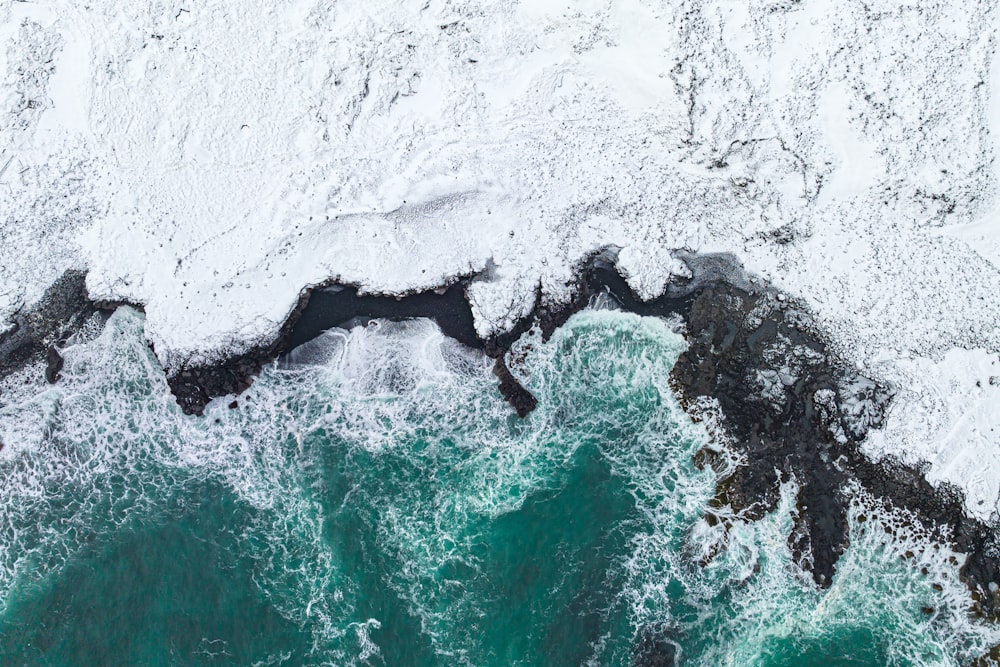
x: 380, y: 461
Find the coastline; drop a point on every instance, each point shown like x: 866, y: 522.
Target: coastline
x: 39, y: 331
x: 829, y: 169
x: 791, y: 408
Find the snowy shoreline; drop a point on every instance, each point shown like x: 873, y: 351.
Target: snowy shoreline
x: 212, y: 163
x: 789, y: 411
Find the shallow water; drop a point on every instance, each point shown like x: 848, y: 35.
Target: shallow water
x: 373, y: 501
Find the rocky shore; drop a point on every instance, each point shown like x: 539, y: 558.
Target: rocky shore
x: 39, y: 332
x: 793, y: 411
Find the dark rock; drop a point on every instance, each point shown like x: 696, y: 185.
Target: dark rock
x: 989, y: 659
x: 522, y: 400
x: 39, y: 331
x: 740, y: 344
x: 54, y: 365
x: 794, y: 411
x: 320, y: 309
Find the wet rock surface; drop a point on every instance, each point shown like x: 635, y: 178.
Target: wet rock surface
x: 654, y: 647
x: 522, y: 400
x: 196, y: 386
x: 792, y: 409
x: 318, y: 310
x: 810, y: 429
x: 765, y: 371
x: 40, y: 331
x: 751, y: 350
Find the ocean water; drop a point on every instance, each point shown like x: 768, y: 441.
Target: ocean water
x: 373, y: 501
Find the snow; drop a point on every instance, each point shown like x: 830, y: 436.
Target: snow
x: 211, y: 161
x: 958, y: 428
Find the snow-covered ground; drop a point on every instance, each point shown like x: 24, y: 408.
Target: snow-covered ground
x: 210, y: 160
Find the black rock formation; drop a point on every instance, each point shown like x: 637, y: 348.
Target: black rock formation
x: 654, y: 647
x: 522, y: 400
x: 40, y: 331
x: 318, y: 310
x: 794, y: 411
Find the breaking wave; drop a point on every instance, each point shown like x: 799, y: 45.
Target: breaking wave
x: 372, y: 500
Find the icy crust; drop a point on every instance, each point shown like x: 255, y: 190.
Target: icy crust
x: 222, y: 158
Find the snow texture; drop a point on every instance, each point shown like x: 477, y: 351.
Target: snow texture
x: 211, y: 160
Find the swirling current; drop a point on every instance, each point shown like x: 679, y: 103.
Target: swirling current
x: 371, y: 500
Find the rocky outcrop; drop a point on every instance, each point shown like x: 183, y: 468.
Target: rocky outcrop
x: 40, y: 331
x: 320, y: 309
x: 792, y: 409
x: 522, y: 400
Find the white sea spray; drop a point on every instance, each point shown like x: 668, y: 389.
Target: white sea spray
x: 98, y: 452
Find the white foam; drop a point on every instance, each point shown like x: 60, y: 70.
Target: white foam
x: 405, y: 390
x: 112, y: 418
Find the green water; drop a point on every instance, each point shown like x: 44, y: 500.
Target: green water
x: 376, y: 503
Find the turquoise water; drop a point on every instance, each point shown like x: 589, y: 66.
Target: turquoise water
x: 374, y: 502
